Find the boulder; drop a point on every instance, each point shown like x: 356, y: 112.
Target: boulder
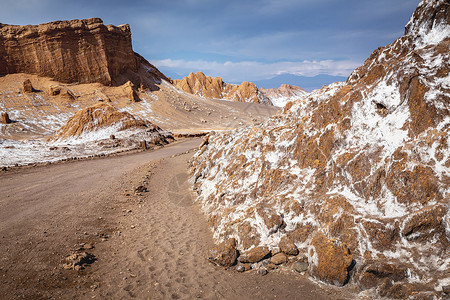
x: 287, y: 246
x: 373, y: 272
x: 279, y: 259
x: 27, y: 86
x: 224, y: 254
x: 57, y: 90
x: 254, y: 255
x: 331, y: 260
x: 5, y: 118
x: 130, y: 90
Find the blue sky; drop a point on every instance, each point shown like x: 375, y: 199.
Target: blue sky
x: 239, y: 39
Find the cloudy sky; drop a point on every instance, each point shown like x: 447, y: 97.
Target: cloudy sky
x: 238, y: 39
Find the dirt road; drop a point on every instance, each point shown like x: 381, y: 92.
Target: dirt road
x: 149, y: 238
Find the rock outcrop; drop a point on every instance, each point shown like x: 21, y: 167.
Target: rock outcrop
x: 365, y: 163
x: 283, y: 94
x: 5, y: 118
x: 209, y: 87
x: 97, y: 117
x: 76, y: 51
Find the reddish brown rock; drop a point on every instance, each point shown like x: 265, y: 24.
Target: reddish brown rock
x: 130, y: 90
x: 374, y: 271
x: 254, y: 255
x: 332, y: 260
x: 279, y: 259
x: 224, y: 254
x: 425, y: 223
x: 287, y: 246
x: 61, y: 91
x: 27, y: 86
x: 206, y: 86
x: 5, y: 118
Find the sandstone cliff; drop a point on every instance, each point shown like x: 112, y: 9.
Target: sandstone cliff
x: 356, y: 174
x: 76, y: 51
x: 283, y: 94
x: 209, y: 87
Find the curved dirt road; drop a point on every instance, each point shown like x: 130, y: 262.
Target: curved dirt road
x: 149, y: 243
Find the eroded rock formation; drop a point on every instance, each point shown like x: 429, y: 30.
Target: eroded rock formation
x: 359, y: 170
x: 97, y: 117
x: 209, y: 87
x: 83, y: 51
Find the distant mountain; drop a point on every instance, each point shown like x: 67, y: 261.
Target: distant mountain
x: 306, y: 83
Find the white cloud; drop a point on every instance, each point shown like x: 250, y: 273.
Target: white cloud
x: 252, y: 70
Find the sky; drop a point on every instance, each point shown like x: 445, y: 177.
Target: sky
x: 238, y: 40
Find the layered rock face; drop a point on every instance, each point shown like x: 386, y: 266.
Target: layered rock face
x: 355, y: 171
x: 208, y: 87
x: 77, y: 51
x: 283, y: 94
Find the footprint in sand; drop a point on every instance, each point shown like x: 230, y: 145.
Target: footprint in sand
x: 178, y: 190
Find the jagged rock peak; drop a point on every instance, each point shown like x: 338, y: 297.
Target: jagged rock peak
x: 213, y: 87
x: 431, y: 16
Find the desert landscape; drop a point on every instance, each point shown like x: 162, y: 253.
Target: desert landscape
x: 119, y: 182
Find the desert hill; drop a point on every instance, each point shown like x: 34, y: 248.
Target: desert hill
x: 283, y: 94
x: 206, y: 86
x: 354, y: 177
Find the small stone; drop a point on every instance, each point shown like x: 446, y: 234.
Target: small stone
x: 262, y: 272
x: 446, y: 289
x: 301, y: 267
x: 112, y: 137
x: 240, y: 268
x: 132, y: 226
x: 275, y: 251
x: 4, y: 119
x: 27, y: 86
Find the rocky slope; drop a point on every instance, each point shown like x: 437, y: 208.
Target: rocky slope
x: 284, y: 94
x: 356, y: 175
x: 208, y: 87
x: 103, y: 121
x: 76, y: 51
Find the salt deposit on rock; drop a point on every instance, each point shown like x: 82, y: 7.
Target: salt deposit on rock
x: 285, y: 93
x: 356, y: 172
x: 101, y: 118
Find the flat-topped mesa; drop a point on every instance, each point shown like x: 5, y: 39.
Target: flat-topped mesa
x: 76, y: 51
x: 206, y: 86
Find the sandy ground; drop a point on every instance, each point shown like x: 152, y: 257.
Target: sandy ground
x: 147, y: 244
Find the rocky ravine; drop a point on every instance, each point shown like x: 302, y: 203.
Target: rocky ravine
x: 355, y: 176
x: 209, y: 87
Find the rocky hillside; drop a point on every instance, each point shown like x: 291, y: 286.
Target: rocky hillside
x: 76, y: 51
x: 355, y: 177
x: 208, y: 87
x: 101, y: 121
x: 284, y: 94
